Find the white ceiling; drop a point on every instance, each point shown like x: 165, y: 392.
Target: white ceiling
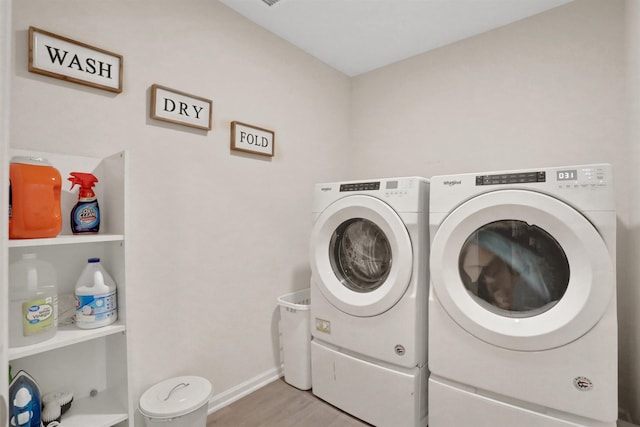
x: 356, y: 36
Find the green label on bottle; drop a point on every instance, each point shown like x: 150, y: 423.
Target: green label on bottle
x: 38, y: 316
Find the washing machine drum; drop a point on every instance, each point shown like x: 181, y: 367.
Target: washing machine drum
x: 361, y: 255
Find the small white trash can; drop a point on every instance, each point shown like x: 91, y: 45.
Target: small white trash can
x: 296, y: 338
x: 177, y: 402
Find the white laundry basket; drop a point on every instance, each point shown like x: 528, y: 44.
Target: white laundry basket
x: 177, y: 402
x: 296, y: 338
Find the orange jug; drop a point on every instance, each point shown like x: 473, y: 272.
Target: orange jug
x: 34, y: 199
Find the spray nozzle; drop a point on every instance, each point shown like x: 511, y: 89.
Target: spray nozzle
x: 84, y: 180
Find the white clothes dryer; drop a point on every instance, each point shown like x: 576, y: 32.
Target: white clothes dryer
x: 369, y: 291
x: 522, y: 304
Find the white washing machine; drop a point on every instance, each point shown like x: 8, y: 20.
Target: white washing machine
x: 369, y: 295
x: 522, y: 304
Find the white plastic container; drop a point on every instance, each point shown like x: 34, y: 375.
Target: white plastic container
x: 96, y: 301
x: 33, y: 306
x: 296, y: 338
x: 177, y: 402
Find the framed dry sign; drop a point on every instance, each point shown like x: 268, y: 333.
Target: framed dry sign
x: 252, y: 139
x: 62, y: 58
x: 173, y: 106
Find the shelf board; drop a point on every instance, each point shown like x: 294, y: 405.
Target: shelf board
x: 66, y: 335
x: 69, y: 239
x: 103, y: 410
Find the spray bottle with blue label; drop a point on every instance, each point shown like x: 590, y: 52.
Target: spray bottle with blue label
x: 85, y: 215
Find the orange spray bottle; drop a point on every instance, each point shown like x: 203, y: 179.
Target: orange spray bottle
x: 85, y: 215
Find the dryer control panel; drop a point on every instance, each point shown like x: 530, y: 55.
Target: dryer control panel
x: 587, y: 187
x: 589, y: 176
x: 582, y: 176
x: 511, y: 178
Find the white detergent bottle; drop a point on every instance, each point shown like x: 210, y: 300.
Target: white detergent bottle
x: 96, y: 302
x: 33, y: 306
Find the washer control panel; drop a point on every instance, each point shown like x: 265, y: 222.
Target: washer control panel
x: 386, y: 188
x: 402, y: 194
x: 360, y: 186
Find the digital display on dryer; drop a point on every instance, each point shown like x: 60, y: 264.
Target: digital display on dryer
x: 567, y: 175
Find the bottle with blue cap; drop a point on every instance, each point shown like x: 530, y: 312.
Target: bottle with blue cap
x: 95, y: 293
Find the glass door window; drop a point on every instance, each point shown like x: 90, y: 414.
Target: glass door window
x: 521, y: 270
x: 360, y: 255
x: 514, y: 269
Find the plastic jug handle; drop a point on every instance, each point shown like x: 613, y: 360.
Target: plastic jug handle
x: 32, y: 279
x: 174, y: 389
x: 98, y: 278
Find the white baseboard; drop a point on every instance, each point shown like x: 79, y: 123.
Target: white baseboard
x: 219, y: 401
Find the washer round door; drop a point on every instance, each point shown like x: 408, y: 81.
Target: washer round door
x: 521, y: 270
x: 361, y: 255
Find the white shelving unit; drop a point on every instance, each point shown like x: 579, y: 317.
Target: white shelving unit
x: 91, y: 363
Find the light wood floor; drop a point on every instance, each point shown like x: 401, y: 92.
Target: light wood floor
x: 280, y: 405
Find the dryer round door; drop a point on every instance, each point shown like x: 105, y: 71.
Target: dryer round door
x: 361, y: 255
x: 521, y: 270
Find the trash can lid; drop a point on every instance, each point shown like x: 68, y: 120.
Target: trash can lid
x: 175, y: 397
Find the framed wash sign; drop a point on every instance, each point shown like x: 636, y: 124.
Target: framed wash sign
x: 62, y: 58
x: 252, y: 139
x: 177, y: 107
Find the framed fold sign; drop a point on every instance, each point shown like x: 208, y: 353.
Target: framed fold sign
x: 65, y: 59
x: 252, y: 139
x: 177, y: 107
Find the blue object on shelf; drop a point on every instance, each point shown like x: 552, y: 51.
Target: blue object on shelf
x: 24, y: 401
